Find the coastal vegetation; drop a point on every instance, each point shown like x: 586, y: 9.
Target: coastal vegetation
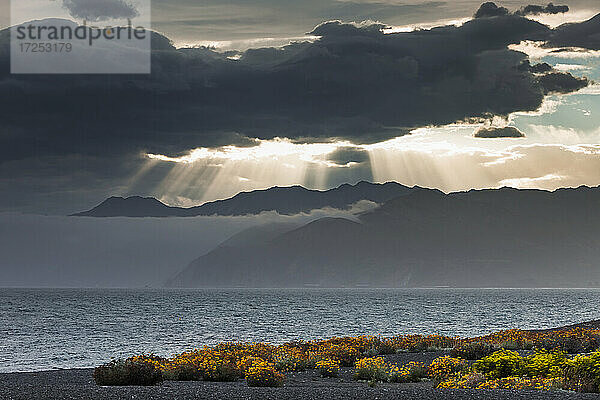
x: 514, y: 359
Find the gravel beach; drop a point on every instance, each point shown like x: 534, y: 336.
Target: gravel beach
x: 78, y: 384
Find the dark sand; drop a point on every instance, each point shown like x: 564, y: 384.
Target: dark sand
x: 79, y: 385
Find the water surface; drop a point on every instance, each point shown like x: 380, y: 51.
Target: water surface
x: 67, y: 328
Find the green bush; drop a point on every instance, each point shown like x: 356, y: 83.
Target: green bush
x: 409, y: 373
x: 183, y: 373
x: 223, y: 373
x: 546, y: 364
x: 582, y: 373
x: 380, y: 347
x: 472, y: 350
x: 574, y: 343
x: 371, y: 369
x: 127, y: 372
x: 501, y: 364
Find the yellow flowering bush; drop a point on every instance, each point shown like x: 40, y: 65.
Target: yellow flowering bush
x: 328, y: 368
x: 371, y: 369
x: 417, y: 343
x: 472, y: 350
x: 470, y: 380
x: 206, y: 364
x: 411, y: 372
x: 521, y: 383
x: 263, y: 362
x: 346, y: 352
x: 582, y: 373
x: 443, y: 367
x: 544, y: 363
x: 479, y: 381
x: 500, y: 364
x: 263, y: 374
x: 576, y: 340
x: 289, y: 359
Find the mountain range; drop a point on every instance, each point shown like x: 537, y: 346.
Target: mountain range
x: 423, y: 238
x: 284, y: 200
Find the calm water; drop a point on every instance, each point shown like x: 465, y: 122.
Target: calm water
x: 46, y: 329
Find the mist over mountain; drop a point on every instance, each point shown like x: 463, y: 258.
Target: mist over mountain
x: 284, y: 200
x: 485, y: 238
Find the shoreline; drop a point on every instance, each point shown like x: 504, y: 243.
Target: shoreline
x: 594, y: 324
x: 78, y: 384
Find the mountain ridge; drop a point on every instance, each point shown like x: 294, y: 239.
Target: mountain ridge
x: 284, y: 200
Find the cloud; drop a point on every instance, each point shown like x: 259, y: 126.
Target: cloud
x: 536, y: 10
x: 354, y: 83
x: 561, y: 82
x: 497, y: 132
x: 100, y: 10
x: 556, y: 79
x: 585, y: 35
x: 490, y: 9
x: 343, y: 156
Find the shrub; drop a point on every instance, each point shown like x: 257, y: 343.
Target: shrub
x: 384, y: 346
x: 420, y: 345
x: 208, y: 366
x: 184, y: 372
x: 474, y: 379
x: 368, y: 369
x: 222, y: 372
x: 345, y: 354
x: 468, y: 381
x: 472, y: 350
x: 443, y: 367
x: 572, y: 341
x: 582, y: 373
x: 127, y: 372
x: 521, y: 383
x: 411, y: 372
x: 545, y: 363
x: 263, y: 374
x: 290, y: 359
x: 328, y: 368
x: 500, y: 364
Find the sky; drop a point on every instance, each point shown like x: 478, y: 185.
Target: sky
x: 286, y: 95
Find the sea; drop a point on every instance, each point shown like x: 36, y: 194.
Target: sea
x: 45, y: 329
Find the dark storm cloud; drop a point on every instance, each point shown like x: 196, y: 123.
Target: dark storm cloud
x: 346, y: 155
x: 490, y: 9
x: 553, y: 81
x: 497, y: 132
x: 536, y: 10
x: 558, y: 82
x: 354, y: 83
x: 100, y: 10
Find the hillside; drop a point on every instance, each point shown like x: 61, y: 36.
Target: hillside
x: 487, y: 238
